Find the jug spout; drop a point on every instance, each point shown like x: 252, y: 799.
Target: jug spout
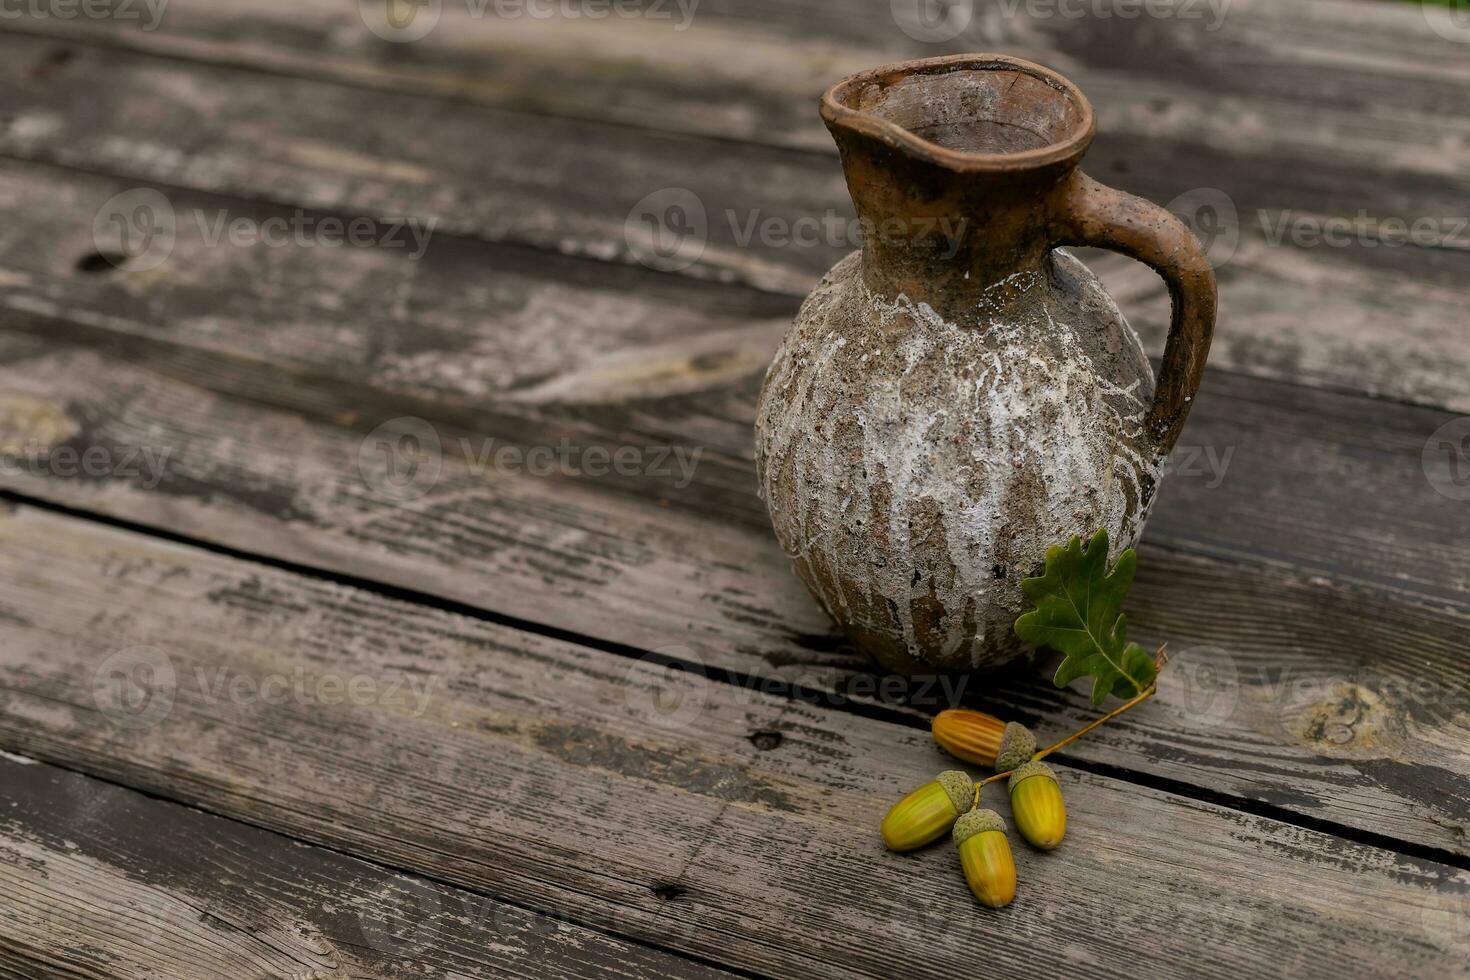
x: 956, y: 166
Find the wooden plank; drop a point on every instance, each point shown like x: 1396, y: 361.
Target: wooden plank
x: 503, y: 343
x: 1361, y: 73
x: 646, y: 562
x: 101, y: 881
x: 574, y: 781
x: 1250, y: 108
x: 466, y: 322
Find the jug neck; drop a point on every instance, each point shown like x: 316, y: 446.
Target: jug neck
x: 956, y: 167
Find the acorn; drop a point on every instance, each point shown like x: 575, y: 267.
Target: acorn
x: 926, y: 813
x: 1017, y: 746
x: 982, y: 739
x: 985, y: 854
x: 1036, y: 805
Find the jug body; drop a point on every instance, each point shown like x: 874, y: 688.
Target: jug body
x: 962, y: 394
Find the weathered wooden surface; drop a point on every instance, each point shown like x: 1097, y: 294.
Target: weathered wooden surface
x: 580, y: 783
x: 653, y: 564
x: 1308, y: 576
x: 1251, y: 108
x: 101, y: 881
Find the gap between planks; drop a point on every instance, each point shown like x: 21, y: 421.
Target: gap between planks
x: 1314, y: 321
x: 875, y: 711
x: 1413, y: 799
x: 525, y: 724
x: 458, y: 939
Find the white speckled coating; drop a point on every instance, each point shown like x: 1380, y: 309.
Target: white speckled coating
x: 917, y: 468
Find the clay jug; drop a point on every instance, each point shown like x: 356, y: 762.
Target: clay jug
x: 961, y: 393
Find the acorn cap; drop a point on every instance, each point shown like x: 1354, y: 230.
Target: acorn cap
x: 977, y: 822
x: 1017, y: 746
x: 959, y: 786
x: 1028, y: 770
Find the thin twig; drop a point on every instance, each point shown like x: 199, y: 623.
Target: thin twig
x: 988, y: 779
x: 1152, y: 689
x: 1160, y: 659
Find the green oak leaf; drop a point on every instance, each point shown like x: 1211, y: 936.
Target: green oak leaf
x: 1079, y: 613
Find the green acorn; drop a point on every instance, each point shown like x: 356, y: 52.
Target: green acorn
x: 926, y: 813
x: 1017, y: 746
x: 1036, y: 804
x: 985, y: 856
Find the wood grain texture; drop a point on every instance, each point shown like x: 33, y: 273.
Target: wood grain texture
x: 496, y: 342
x: 583, y: 784
x: 1292, y: 115
x: 101, y: 881
x: 644, y: 561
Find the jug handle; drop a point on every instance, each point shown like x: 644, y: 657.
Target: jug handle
x: 1097, y: 215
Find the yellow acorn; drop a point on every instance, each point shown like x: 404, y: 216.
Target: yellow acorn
x: 985, y: 854
x: 926, y: 813
x: 1036, y: 804
x: 982, y: 739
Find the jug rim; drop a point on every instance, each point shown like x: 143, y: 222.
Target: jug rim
x: 836, y: 113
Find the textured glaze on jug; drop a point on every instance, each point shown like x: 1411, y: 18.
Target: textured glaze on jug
x: 961, y: 394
